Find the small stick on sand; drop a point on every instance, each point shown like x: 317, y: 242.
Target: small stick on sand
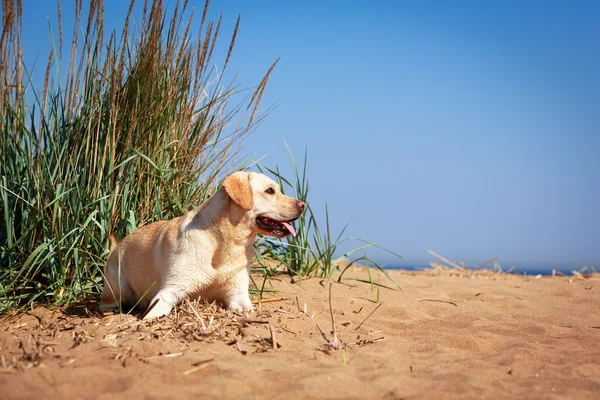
x: 488, y: 262
x: 335, y: 343
x: 273, y: 340
x: 298, y: 305
x: 200, y: 318
x: 197, y: 363
x: 195, y: 369
x: 169, y: 355
x: 577, y: 274
x: 498, y: 267
x: 322, y: 333
x: 237, y: 345
x: 269, y: 300
x: 198, y: 366
x: 90, y: 333
x: 253, y: 321
x: 443, y: 259
x: 440, y: 301
x: 359, y: 325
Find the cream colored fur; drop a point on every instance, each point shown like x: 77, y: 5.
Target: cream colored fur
x: 205, y: 253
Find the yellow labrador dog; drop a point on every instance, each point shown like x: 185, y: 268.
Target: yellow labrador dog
x: 205, y: 253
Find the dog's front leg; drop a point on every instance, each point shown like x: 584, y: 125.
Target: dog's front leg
x: 165, y: 300
x: 236, y: 296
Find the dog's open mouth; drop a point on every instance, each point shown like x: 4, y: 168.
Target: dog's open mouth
x: 279, y: 228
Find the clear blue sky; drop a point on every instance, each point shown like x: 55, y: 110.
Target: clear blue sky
x: 468, y: 127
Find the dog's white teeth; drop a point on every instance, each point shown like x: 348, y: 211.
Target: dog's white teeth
x: 290, y: 228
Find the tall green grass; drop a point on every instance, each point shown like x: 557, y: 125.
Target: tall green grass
x: 136, y: 128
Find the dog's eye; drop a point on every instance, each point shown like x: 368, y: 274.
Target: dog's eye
x: 270, y: 191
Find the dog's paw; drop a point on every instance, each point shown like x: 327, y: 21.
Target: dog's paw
x: 240, y: 302
x: 161, y: 308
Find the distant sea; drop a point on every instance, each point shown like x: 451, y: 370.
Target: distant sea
x: 518, y: 269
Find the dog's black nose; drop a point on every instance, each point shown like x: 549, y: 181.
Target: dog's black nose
x: 300, y: 204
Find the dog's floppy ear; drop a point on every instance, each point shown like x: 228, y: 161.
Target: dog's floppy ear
x: 238, y: 188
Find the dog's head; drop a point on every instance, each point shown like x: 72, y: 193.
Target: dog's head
x: 271, y: 212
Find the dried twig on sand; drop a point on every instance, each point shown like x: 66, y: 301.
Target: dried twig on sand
x: 200, y: 318
x: 298, y: 305
x: 492, y: 260
x: 443, y: 259
x: 199, y: 366
x: 368, y: 316
x: 196, y: 369
x: 269, y: 300
x: 273, y: 340
x: 335, y: 343
x: 440, y: 301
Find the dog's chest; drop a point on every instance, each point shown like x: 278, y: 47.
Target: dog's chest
x: 218, y: 270
x: 228, y: 264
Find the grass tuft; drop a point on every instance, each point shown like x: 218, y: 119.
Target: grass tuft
x: 132, y: 128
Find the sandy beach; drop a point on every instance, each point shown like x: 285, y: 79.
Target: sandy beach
x: 446, y: 334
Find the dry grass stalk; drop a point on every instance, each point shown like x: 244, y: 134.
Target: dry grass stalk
x: 443, y: 259
x: 302, y: 310
x: 335, y: 342
x: 260, y: 301
x: 203, y: 365
x: 60, y: 32
x: 368, y: 316
x: 273, y: 340
x: 232, y: 43
x: 439, y: 301
x: 200, y: 317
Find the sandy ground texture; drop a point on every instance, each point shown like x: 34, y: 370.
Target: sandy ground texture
x: 447, y: 334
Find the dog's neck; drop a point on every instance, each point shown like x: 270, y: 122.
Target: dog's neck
x: 234, y: 225
x: 234, y: 233
x: 229, y: 226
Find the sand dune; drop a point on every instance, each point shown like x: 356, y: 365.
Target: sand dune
x: 447, y: 334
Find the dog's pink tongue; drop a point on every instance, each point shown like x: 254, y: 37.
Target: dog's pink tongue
x: 290, y: 228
